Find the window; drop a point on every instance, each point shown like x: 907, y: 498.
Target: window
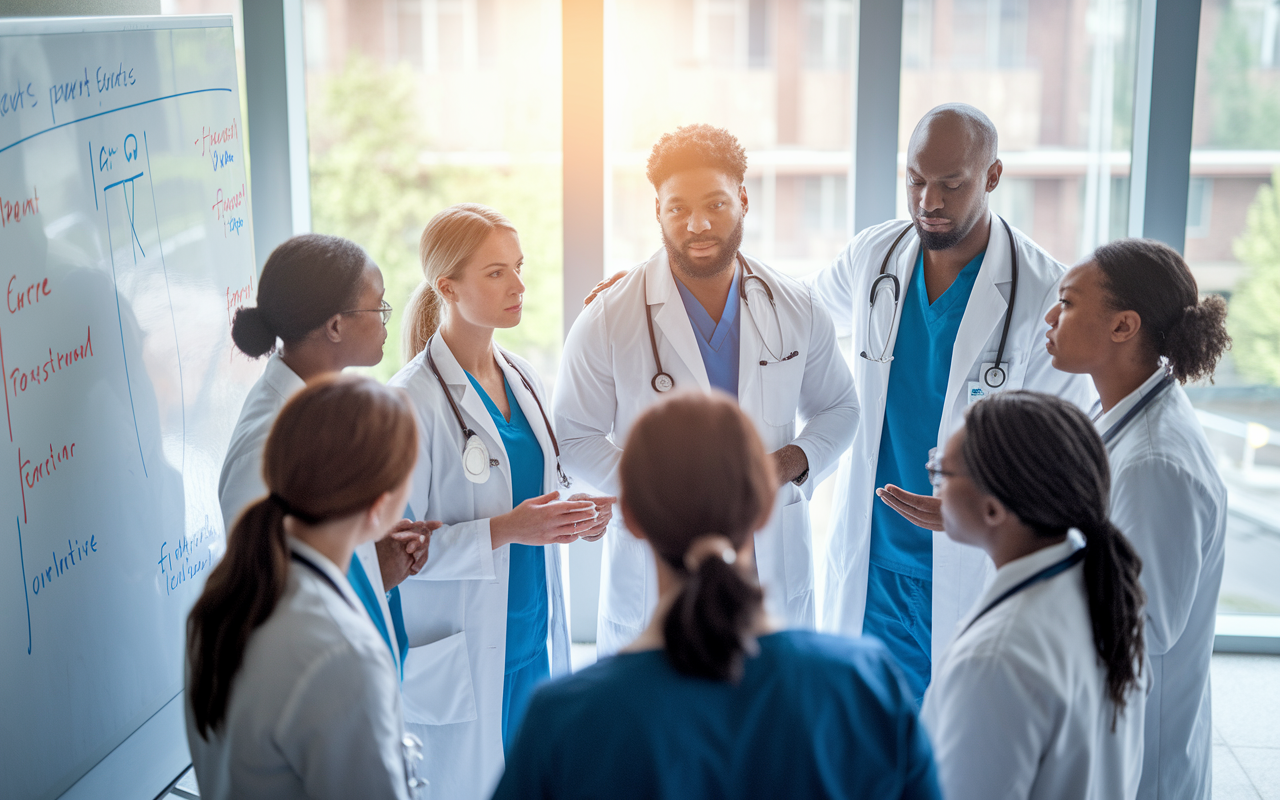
x: 1057, y: 80
x: 414, y: 105
x: 1232, y: 247
x: 829, y: 32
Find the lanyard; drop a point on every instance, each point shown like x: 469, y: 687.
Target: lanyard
x: 1043, y: 575
x: 306, y: 562
x: 1132, y: 413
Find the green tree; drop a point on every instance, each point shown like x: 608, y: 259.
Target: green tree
x: 1254, y: 321
x: 370, y: 182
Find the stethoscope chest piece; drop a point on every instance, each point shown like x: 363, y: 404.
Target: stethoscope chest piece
x: 475, y: 460
x: 994, y: 377
x: 662, y: 382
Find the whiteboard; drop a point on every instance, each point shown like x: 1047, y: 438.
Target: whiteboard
x: 125, y: 248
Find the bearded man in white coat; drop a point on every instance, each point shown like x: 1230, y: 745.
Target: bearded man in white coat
x: 699, y: 315
x: 943, y: 311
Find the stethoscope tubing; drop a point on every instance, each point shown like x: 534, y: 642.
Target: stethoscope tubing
x: 662, y: 380
x: 467, y: 433
x: 1000, y: 375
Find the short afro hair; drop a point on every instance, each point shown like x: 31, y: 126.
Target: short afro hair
x: 694, y: 146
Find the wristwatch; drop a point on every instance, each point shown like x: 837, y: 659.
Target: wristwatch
x: 801, y: 478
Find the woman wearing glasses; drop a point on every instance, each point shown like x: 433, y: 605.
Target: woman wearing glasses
x: 486, y: 617
x: 1041, y: 694
x: 320, y: 299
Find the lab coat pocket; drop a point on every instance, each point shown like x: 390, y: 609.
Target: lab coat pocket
x: 780, y: 387
x: 437, y: 683
x: 797, y: 548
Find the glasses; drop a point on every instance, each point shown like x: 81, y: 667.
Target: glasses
x: 937, y: 475
x: 384, y: 310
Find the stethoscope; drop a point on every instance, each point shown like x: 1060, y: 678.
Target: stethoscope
x: 994, y: 376
x: 475, y: 456
x: 1137, y: 409
x: 663, y: 382
x: 1057, y: 568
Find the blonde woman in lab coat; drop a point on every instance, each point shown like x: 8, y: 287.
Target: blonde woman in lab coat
x: 1131, y: 317
x: 486, y: 618
x: 1040, y: 695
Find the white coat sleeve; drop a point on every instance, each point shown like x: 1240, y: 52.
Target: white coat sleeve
x: 1043, y: 377
x: 990, y: 726
x: 1168, y: 516
x: 828, y: 400
x: 243, y: 486
x: 340, y: 731
x: 457, y: 552
x: 586, y: 402
x: 832, y: 287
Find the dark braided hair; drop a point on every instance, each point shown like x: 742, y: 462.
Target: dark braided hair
x: 1042, y: 458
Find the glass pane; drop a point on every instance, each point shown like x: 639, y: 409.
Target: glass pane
x: 1057, y: 80
x: 1233, y: 246
x: 776, y: 74
x: 414, y: 105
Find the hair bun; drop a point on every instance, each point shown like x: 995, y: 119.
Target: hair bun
x: 1196, y: 339
x: 251, y: 333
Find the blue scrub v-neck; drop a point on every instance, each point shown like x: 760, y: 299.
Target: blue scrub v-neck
x: 527, y: 605
x: 718, y: 342
x: 900, y: 582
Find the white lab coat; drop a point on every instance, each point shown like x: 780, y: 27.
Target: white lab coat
x: 314, y: 710
x: 455, y: 610
x: 604, y: 384
x: 959, y: 572
x: 1169, y: 500
x: 1018, y: 709
x: 241, y: 482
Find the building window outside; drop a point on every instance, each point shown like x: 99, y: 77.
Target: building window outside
x: 419, y: 104
x: 1233, y: 247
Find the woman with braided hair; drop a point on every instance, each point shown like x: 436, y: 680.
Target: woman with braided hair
x: 1041, y: 694
x: 712, y: 700
x: 1132, y: 319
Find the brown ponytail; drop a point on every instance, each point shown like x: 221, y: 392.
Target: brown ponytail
x: 336, y: 447
x: 1043, y: 459
x: 694, y: 467
x: 1149, y: 277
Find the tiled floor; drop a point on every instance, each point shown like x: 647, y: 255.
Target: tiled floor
x: 1246, y: 727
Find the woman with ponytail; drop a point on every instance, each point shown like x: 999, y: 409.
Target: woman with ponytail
x: 320, y: 299
x: 290, y: 690
x: 1040, y: 696
x: 486, y: 617
x: 1132, y: 318
x: 712, y: 700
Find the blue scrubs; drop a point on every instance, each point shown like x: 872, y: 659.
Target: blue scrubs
x: 359, y: 580
x: 718, y: 342
x: 527, y: 664
x: 900, y: 579
x: 813, y: 716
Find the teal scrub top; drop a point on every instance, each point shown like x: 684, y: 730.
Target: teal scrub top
x: 718, y: 342
x: 813, y: 716
x: 527, y: 607
x: 913, y: 413
x: 359, y: 581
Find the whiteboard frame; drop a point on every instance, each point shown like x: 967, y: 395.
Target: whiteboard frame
x: 150, y: 758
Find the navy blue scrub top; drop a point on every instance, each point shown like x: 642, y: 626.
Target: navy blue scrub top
x: 814, y: 716
x: 913, y: 413
x: 527, y: 608
x: 717, y: 341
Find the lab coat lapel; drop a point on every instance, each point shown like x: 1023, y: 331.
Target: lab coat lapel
x: 470, y: 403
x: 670, y: 320
x: 985, y: 311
